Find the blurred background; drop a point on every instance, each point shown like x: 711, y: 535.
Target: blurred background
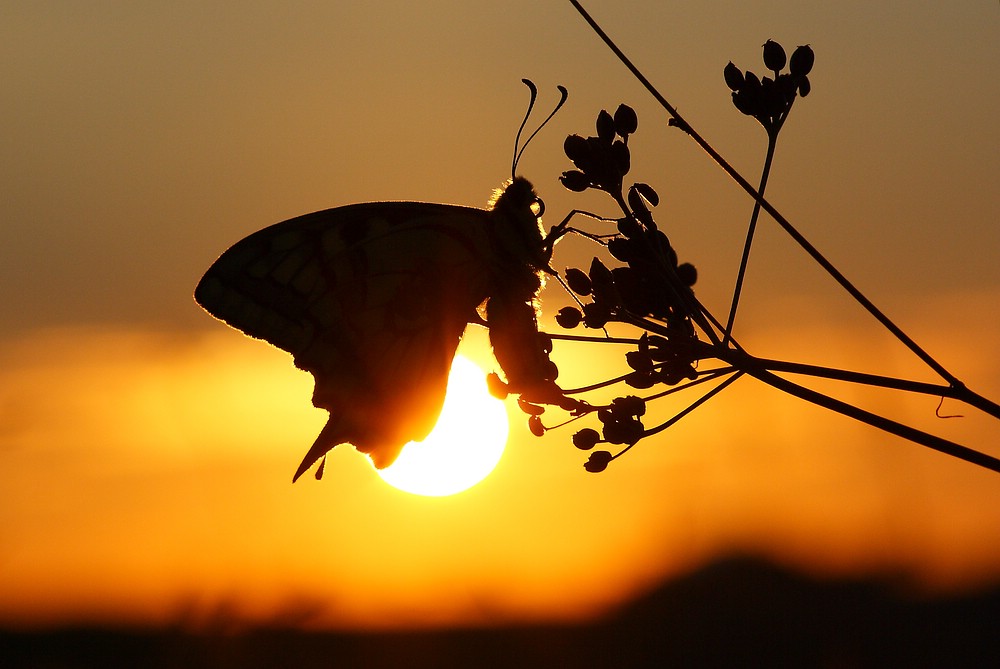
x: 146, y: 450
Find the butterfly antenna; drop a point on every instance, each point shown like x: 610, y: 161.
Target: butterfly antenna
x: 531, y: 104
x: 517, y: 139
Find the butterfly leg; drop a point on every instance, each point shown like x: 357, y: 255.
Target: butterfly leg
x: 563, y: 227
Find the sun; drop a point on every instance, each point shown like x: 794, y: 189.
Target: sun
x: 465, y: 445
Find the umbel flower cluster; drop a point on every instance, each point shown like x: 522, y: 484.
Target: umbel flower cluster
x: 639, y: 282
x: 769, y: 100
x: 647, y: 287
x: 652, y: 291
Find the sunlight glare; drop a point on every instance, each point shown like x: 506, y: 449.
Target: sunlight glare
x: 465, y: 445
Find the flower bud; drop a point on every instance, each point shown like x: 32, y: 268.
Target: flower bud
x: 605, y: 126
x: 629, y: 227
x: 569, y: 317
x: 639, y: 361
x: 804, y: 87
x: 578, y: 281
x: 575, y: 147
x: 802, y: 61
x: 774, y: 56
x: 647, y: 192
x: 597, y: 462
x: 640, y: 380
x: 575, y: 181
x: 529, y: 408
x: 586, y: 439
x: 733, y: 76
x: 629, y: 405
x: 621, y: 249
x: 596, y: 315
x: 626, y: 120
x: 536, y: 427
x: 749, y: 99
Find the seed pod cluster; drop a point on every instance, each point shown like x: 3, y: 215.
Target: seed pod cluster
x: 770, y: 99
x: 643, y: 284
x: 603, y: 160
x: 649, y: 285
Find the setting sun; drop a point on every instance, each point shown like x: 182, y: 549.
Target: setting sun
x: 149, y: 514
x: 465, y: 445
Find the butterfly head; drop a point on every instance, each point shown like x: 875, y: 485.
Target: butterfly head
x: 517, y: 196
x: 517, y: 222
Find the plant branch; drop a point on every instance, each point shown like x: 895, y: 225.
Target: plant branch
x: 933, y: 389
x: 905, y: 431
x: 774, y: 213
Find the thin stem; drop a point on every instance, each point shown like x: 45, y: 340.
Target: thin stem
x: 973, y: 398
x: 905, y: 431
x: 599, y: 340
x: 743, y: 360
x: 772, y: 142
x: 774, y: 213
x: 694, y: 405
x: 933, y: 389
x: 704, y: 378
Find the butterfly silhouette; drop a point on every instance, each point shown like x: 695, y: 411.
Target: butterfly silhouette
x: 372, y: 299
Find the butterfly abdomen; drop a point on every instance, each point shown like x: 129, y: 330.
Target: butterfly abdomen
x: 511, y: 311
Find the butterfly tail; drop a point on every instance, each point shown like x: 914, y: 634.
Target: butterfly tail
x: 333, y: 433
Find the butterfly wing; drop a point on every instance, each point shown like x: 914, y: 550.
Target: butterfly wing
x: 371, y: 299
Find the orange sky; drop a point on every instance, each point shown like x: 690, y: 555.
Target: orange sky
x: 146, y: 450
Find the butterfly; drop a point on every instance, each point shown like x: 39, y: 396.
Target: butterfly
x: 372, y: 299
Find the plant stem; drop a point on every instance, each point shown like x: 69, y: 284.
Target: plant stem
x: 772, y: 142
x: 768, y: 207
x: 743, y: 360
x: 694, y: 405
x: 728, y: 351
x: 905, y: 431
x: 933, y: 389
x: 959, y: 392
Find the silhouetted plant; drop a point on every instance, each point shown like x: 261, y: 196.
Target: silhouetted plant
x: 647, y: 288
x: 769, y: 101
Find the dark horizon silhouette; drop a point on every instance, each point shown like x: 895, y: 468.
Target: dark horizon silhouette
x: 738, y: 611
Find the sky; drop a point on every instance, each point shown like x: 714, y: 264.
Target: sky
x: 146, y: 450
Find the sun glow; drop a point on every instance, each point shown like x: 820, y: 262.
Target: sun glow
x: 465, y: 445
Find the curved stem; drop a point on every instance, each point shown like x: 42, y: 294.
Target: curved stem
x: 694, y: 405
x: 691, y: 407
x: 772, y: 142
